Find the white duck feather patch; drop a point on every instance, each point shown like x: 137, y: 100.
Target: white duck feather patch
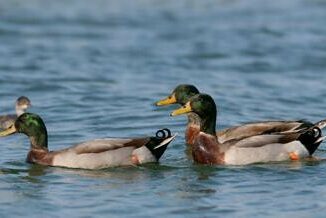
x: 268, y: 153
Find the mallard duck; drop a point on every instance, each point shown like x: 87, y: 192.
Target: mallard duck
x: 22, y: 104
x: 206, y: 149
x: 181, y: 95
x: 95, y: 154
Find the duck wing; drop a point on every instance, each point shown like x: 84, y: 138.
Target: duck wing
x: 310, y: 138
x: 262, y: 128
x: 156, y: 144
x: 107, y: 144
x: 262, y: 140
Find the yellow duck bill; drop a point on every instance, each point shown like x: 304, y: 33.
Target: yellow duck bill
x: 183, y: 110
x: 9, y: 131
x: 166, y: 101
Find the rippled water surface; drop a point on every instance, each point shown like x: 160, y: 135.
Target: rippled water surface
x: 94, y: 68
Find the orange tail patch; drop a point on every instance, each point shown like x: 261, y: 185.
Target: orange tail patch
x: 293, y: 156
x: 135, y: 160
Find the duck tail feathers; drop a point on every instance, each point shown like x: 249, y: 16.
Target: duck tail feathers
x: 158, y: 144
x: 311, y: 138
x: 166, y: 135
x: 320, y: 139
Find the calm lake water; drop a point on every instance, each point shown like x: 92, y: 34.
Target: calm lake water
x: 93, y: 69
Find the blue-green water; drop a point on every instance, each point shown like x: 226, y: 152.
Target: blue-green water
x: 94, y: 68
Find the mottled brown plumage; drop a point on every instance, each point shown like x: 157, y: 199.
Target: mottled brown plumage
x: 205, y: 151
x: 191, y: 132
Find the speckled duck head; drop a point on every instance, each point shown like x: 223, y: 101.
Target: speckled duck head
x: 22, y: 104
x: 180, y: 95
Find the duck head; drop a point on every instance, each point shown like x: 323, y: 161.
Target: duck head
x: 180, y: 95
x: 204, y: 106
x: 22, y: 104
x: 31, y: 125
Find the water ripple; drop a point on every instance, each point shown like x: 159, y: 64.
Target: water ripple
x: 94, y: 70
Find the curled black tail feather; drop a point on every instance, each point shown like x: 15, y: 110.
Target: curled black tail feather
x: 158, y: 144
x: 163, y: 133
x: 310, y: 139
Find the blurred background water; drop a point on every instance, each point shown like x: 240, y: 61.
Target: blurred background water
x: 94, y: 69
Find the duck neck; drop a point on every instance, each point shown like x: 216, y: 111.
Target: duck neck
x: 193, y: 119
x: 39, y: 140
x: 208, y: 126
x: 208, y: 123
